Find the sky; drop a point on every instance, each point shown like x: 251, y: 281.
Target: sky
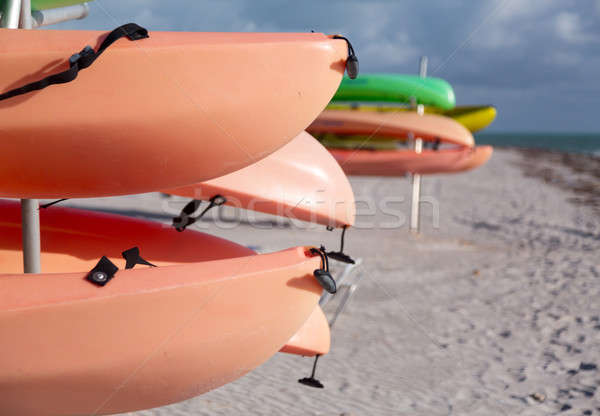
x: 537, y: 61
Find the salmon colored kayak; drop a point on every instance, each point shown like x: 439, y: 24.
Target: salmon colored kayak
x: 301, y: 180
x: 313, y: 338
x: 210, y: 312
x: 164, y: 111
x: 401, y: 162
x: 393, y: 125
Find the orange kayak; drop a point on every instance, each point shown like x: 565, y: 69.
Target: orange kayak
x: 301, y: 180
x: 208, y: 313
x: 313, y: 338
x: 430, y: 127
x: 401, y: 162
x: 169, y: 110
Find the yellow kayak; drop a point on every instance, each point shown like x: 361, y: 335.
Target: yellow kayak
x: 473, y: 117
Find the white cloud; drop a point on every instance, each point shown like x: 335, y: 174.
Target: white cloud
x: 378, y: 17
x: 568, y: 27
x: 396, y: 52
x: 516, y: 9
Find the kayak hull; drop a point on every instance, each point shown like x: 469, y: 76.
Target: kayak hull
x: 473, y: 117
x: 151, y: 336
x: 402, y: 162
x: 313, y: 338
x: 396, y: 88
x: 150, y: 114
x: 396, y: 126
x: 309, y: 186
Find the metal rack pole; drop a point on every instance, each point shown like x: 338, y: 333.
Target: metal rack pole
x: 17, y: 14
x: 30, y: 226
x: 10, y: 14
x: 418, y: 148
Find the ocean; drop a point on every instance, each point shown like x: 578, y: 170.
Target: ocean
x: 588, y: 143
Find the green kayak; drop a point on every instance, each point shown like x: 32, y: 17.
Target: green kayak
x: 48, y: 4
x: 53, y: 4
x: 396, y: 88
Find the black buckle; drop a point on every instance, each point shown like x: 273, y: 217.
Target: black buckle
x: 322, y: 275
x: 134, y: 31
x: 185, y: 217
x: 84, y: 58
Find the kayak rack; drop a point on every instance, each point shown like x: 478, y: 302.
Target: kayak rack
x: 418, y: 147
x: 17, y: 14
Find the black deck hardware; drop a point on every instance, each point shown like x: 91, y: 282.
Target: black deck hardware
x: 101, y: 274
x: 185, y: 217
x: 312, y: 381
x: 132, y: 257
x: 322, y: 275
x: 352, y: 66
x: 340, y: 255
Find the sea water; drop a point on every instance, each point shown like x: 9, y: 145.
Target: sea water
x: 588, y: 143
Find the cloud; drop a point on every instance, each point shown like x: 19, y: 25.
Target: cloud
x: 568, y: 27
x: 389, y: 54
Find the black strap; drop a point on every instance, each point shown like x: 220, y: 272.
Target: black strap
x: 340, y: 255
x: 132, y: 257
x: 80, y: 60
x: 352, y: 61
x: 185, y: 217
x: 49, y: 204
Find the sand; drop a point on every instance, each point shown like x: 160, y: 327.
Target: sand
x: 495, y: 310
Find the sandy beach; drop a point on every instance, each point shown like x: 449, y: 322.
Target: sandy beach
x: 493, y: 310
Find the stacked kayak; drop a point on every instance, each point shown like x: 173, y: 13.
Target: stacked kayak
x: 401, y: 162
x: 396, y: 88
x: 152, y: 335
x: 49, y: 4
x: 454, y: 144
x: 310, y: 185
x: 368, y: 126
x: 130, y: 314
x: 428, y: 127
x: 174, y: 104
x: 473, y: 117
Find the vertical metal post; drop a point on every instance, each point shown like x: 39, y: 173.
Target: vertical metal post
x: 25, y: 22
x: 17, y: 13
x: 10, y: 14
x: 418, y: 148
x: 30, y: 227
x: 423, y: 67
